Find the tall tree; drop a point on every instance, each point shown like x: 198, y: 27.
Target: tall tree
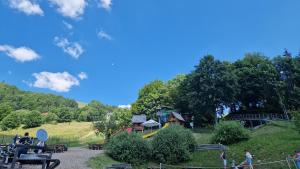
x: 210, y: 86
x: 151, y: 97
x: 289, y: 69
x: 258, y: 81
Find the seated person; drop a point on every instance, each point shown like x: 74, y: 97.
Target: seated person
x: 26, y: 140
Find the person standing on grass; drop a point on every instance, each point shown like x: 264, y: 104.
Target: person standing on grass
x: 297, y: 159
x: 249, y: 158
x: 223, y: 158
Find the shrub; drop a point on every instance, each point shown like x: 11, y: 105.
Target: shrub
x: 11, y: 121
x: 230, y: 132
x: 32, y: 119
x: 130, y: 148
x: 173, y: 145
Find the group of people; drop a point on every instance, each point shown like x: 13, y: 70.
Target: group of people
x: 40, y: 147
x: 249, y: 158
x: 247, y: 162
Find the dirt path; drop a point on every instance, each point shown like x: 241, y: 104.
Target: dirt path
x: 74, y: 158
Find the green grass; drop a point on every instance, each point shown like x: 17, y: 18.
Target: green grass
x: 73, y: 134
x: 272, y: 142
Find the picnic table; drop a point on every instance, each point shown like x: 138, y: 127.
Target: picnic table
x: 45, y: 160
x: 95, y: 146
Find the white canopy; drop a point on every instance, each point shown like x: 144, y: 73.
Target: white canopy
x: 151, y: 123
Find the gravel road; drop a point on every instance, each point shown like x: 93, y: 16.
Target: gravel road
x: 74, y: 158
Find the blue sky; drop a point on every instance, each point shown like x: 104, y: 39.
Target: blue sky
x: 108, y: 49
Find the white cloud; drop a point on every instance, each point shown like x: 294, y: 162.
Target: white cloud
x: 125, y: 106
x: 82, y: 75
x: 74, y: 49
x: 21, y: 54
x: 106, y: 4
x: 104, y: 35
x: 70, y: 8
x: 26, y: 6
x: 67, y: 25
x: 59, y: 82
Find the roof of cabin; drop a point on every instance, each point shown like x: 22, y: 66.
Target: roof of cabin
x: 178, y: 116
x: 141, y: 118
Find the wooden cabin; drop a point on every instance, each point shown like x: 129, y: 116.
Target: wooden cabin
x: 176, y: 118
x: 137, y: 122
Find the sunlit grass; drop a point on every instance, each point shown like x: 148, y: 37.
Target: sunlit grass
x: 74, y: 133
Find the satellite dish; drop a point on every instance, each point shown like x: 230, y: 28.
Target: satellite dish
x: 42, y: 135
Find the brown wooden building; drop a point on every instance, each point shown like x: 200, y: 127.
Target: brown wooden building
x: 137, y: 121
x: 176, y: 118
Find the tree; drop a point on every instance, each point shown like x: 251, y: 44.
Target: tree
x: 50, y: 117
x: 210, y: 86
x: 173, y: 89
x: 107, y: 126
x: 96, y: 110
x: 151, y: 97
x: 289, y: 89
x: 32, y: 119
x: 11, y: 121
x: 5, y: 109
x: 122, y: 117
x: 257, y: 81
x: 64, y: 114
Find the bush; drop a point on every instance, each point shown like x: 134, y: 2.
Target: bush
x: 129, y: 148
x: 173, y: 145
x: 11, y: 121
x: 32, y: 119
x: 230, y: 132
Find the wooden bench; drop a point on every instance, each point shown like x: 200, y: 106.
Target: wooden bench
x: 120, y: 166
x: 56, y: 148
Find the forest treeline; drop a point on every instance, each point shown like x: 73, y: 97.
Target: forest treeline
x: 253, y: 84
x: 31, y: 109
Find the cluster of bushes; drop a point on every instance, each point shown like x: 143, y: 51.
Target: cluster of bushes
x: 28, y: 118
x: 171, y: 145
x: 230, y: 132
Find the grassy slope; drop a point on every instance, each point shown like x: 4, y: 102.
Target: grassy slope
x: 269, y: 143
x: 75, y: 132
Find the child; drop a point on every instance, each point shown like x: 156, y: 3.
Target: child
x: 223, y: 157
x: 248, y: 160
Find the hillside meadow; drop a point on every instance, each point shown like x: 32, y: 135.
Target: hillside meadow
x: 73, y: 133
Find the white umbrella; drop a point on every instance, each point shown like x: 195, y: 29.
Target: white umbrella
x: 151, y: 123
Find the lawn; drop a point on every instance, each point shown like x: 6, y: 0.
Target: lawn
x: 74, y: 133
x: 272, y: 142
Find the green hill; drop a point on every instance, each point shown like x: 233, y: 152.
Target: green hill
x: 74, y: 133
x: 18, y: 99
x: 272, y: 142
